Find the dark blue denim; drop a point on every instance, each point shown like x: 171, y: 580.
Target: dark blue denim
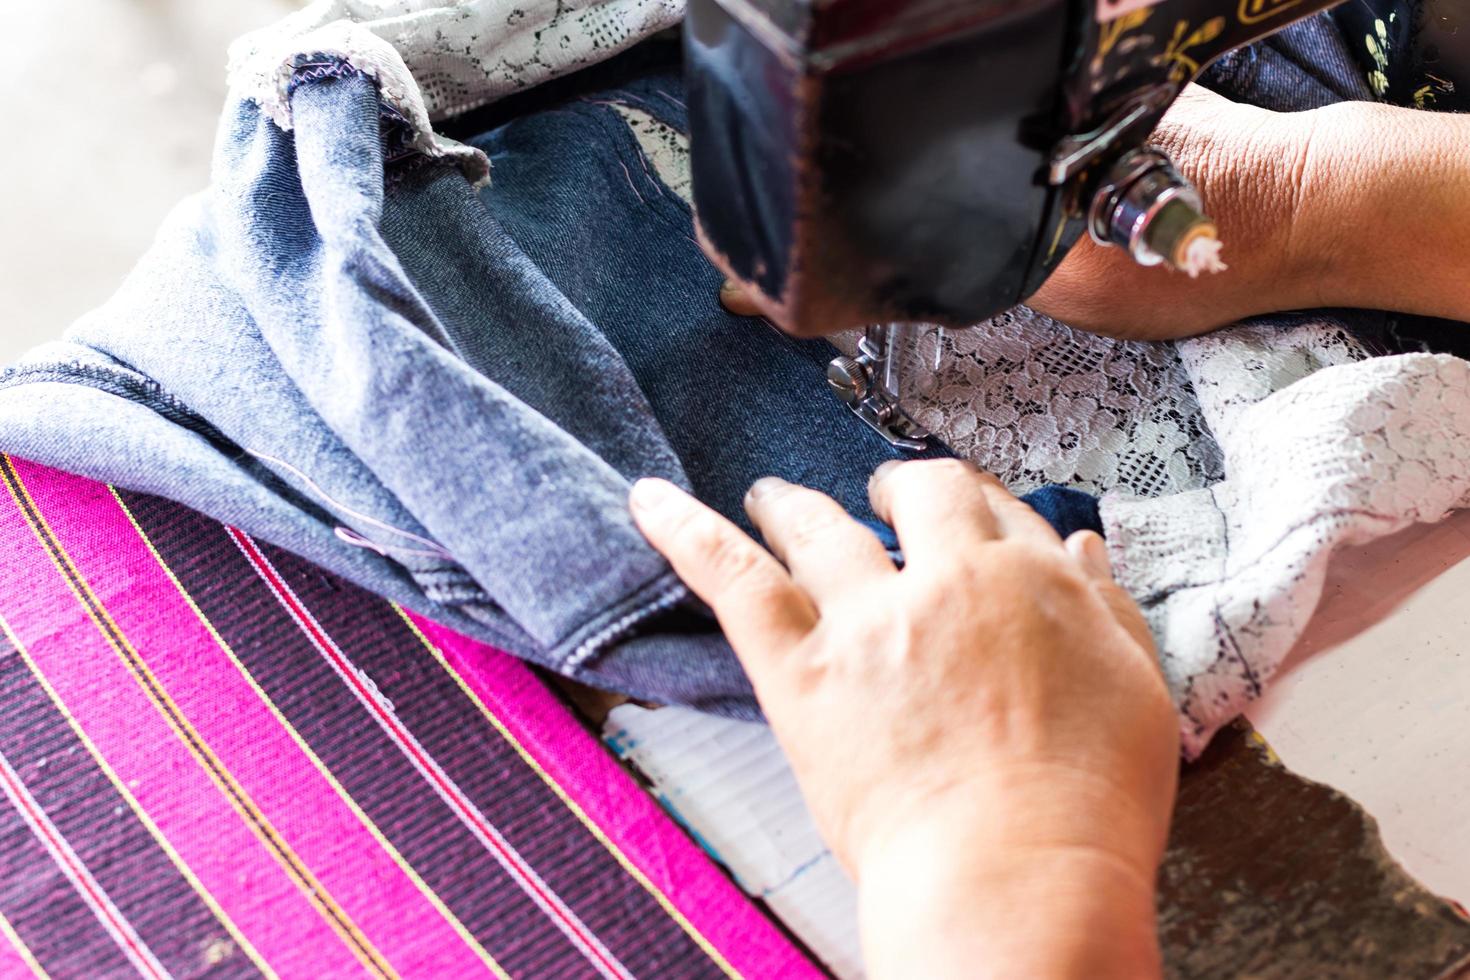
x: 444, y: 395
x: 1306, y: 66
x: 572, y: 199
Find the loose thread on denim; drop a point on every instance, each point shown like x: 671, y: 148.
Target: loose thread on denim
x: 629, y: 174
x: 431, y: 548
x: 643, y: 162
x: 348, y: 536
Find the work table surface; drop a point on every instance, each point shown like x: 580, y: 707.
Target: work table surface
x: 1375, y: 699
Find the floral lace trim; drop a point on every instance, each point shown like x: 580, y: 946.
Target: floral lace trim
x: 1229, y: 576
x: 432, y: 61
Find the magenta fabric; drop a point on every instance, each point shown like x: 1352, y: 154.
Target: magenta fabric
x: 218, y: 760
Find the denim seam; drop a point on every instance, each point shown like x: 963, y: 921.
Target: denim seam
x: 397, y: 133
x: 616, y: 624
x: 451, y: 574
x: 616, y: 631
x: 452, y: 588
x: 132, y: 387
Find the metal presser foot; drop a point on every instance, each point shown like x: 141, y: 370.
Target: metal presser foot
x: 870, y: 385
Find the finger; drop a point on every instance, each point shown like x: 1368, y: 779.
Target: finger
x: 1091, y: 552
x: 761, y: 610
x: 1127, y: 614
x: 936, y: 507
x: 737, y: 299
x: 1014, y: 517
x: 827, y: 551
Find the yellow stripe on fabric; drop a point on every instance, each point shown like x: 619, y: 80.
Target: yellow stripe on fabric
x: 137, y: 808
x: 289, y: 861
x: 21, y: 950
x: 612, y: 848
x: 301, y: 743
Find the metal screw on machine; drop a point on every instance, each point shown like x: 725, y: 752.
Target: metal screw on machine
x: 848, y: 377
x: 1145, y: 207
x: 870, y: 384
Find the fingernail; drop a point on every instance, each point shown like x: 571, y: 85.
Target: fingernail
x: 728, y: 287
x: 649, y: 493
x: 883, y: 471
x: 763, y: 488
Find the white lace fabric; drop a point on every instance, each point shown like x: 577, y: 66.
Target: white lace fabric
x: 1036, y: 402
x: 1231, y: 466
x: 437, y: 58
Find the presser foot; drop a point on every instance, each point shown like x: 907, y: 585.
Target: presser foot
x: 894, y: 425
x: 869, y: 385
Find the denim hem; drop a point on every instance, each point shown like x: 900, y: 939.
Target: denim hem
x: 123, y: 384
x: 451, y: 586
x: 596, y: 637
x: 400, y: 153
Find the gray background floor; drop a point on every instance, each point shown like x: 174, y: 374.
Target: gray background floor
x: 110, y: 109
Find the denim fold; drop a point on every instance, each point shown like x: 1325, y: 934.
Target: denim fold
x: 444, y: 391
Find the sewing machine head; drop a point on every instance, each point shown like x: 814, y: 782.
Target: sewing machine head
x: 861, y: 162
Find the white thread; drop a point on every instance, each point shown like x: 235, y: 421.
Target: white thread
x: 433, y: 548
x: 348, y: 536
x: 1202, y: 255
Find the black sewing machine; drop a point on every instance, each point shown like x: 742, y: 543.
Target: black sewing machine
x: 883, y: 163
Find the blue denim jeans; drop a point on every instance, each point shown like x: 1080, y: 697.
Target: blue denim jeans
x: 443, y: 394
x: 1306, y: 66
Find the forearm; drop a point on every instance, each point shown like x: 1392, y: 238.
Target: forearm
x: 1014, y: 885
x: 1386, y: 205
x: 1049, y: 915
x: 1351, y: 205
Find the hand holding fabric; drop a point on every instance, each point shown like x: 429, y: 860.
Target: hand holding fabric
x: 984, y: 737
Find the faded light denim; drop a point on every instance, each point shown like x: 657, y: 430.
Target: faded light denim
x: 444, y: 395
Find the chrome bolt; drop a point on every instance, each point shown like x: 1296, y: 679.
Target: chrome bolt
x: 849, y: 379
x: 1145, y: 207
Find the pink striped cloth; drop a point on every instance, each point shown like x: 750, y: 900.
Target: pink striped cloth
x: 217, y: 760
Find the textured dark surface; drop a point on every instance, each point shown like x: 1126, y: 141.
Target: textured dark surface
x: 218, y: 761
x: 1270, y: 875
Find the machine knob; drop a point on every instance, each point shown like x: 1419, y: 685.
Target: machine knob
x: 849, y: 379
x: 1147, y: 208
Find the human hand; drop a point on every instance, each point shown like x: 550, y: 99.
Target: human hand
x: 984, y: 737
x: 1356, y: 204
